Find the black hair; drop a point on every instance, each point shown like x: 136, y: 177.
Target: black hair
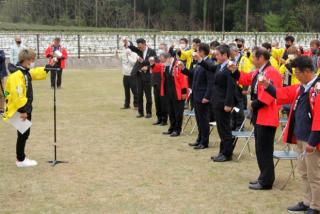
x: 262, y: 52
x: 185, y: 40
x: 205, y: 48
x: 224, y: 49
x: 214, y: 44
x: 196, y: 40
x: 289, y: 38
x: 141, y: 41
x: 267, y: 45
x: 166, y: 55
x: 303, y: 63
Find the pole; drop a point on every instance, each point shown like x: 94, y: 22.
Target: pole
x: 134, y: 13
x: 54, y: 162
x: 79, y: 47
x: 96, y: 13
x: 247, y: 16
x: 38, y: 48
x: 223, y: 14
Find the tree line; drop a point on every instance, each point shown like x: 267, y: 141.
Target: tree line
x: 168, y: 15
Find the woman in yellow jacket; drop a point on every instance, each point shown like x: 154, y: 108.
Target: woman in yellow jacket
x: 19, y: 97
x: 287, y: 72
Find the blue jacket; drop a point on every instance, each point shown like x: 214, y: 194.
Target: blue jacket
x: 3, y: 69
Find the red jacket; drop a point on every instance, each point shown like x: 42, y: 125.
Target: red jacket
x: 49, y: 51
x: 181, y: 82
x: 268, y: 115
x: 289, y: 95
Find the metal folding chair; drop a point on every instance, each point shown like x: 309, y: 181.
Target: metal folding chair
x: 212, y: 125
x: 287, y: 154
x: 283, y: 123
x: 242, y: 134
x: 189, y: 115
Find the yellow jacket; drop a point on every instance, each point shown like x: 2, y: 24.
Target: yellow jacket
x: 186, y: 56
x: 274, y: 63
x: 16, y: 90
x: 245, y: 65
x: 294, y: 79
x: 277, y: 53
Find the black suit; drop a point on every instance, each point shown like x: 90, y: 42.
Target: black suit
x: 202, y: 87
x: 143, y: 79
x: 223, y: 95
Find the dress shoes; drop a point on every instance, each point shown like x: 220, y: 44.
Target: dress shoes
x: 258, y: 186
x: 200, y: 146
x: 174, y: 134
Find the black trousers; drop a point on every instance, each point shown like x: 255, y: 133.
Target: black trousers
x: 160, y: 104
x: 21, y: 143
x: 56, y: 76
x: 175, y: 109
x: 264, y: 137
x: 144, y: 88
x: 130, y: 84
x: 202, y: 118
x: 225, y: 133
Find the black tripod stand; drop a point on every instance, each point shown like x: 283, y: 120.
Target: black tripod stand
x: 54, y: 162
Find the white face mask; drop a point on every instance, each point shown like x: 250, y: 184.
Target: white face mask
x: 182, y: 46
x: 32, y: 65
x: 160, y: 51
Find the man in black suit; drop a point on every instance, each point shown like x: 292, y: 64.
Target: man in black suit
x: 142, y: 72
x: 223, y: 101
x: 202, y: 93
x: 3, y: 74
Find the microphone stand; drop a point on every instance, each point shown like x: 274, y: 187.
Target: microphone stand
x: 54, y: 162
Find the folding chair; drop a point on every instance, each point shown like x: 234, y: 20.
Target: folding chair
x: 241, y: 134
x: 287, y: 154
x: 189, y: 114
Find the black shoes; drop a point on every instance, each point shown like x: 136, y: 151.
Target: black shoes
x: 163, y: 123
x: 194, y: 144
x: 258, y: 186
x: 167, y: 133
x: 221, y: 158
x: 174, y: 134
x: 148, y: 116
x: 140, y: 115
x: 300, y: 207
x: 125, y: 107
x: 254, y: 182
x: 200, y: 146
x: 157, y: 123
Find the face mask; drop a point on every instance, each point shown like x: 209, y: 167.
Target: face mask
x: 239, y: 46
x: 182, y: 46
x: 18, y: 43
x: 314, y: 51
x: 288, y: 46
x: 32, y: 65
x: 160, y: 51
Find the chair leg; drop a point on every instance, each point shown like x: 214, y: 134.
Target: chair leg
x: 292, y: 167
x: 185, y: 125
x: 288, y: 179
x: 194, y: 127
x: 243, y: 148
x: 276, y: 163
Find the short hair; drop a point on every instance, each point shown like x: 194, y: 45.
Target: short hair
x: 185, y: 40
x: 293, y: 50
x: 239, y: 40
x: 267, y: 45
x: 315, y: 42
x: 303, y: 63
x: 233, y: 47
x: 289, y: 38
x: 165, y: 46
x: 205, y: 48
x: 262, y: 52
x: 196, y: 40
x: 224, y: 49
x: 58, y: 39
x: 214, y: 44
x: 26, y: 54
x: 141, y: 41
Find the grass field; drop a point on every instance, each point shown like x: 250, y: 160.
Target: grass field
x: 120, y: 164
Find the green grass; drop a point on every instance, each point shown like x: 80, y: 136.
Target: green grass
x: 120, y: 164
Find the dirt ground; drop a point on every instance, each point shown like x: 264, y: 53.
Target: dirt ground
x: 120, y: 164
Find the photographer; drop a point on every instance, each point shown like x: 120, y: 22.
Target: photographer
x: 57, y: 56
x: 287, y: 71
x: 20, y: 101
